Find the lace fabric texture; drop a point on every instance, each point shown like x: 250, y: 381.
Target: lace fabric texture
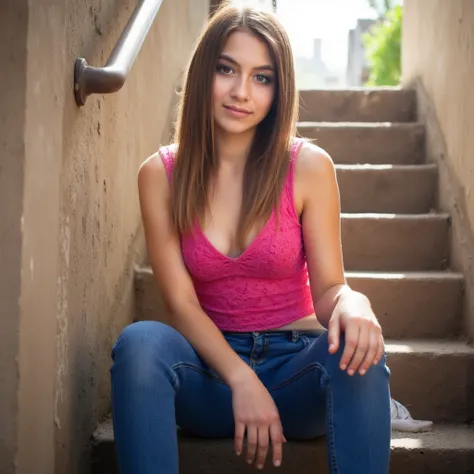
x: 267, y: 285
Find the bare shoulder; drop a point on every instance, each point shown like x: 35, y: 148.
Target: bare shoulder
x: 153, y: 170
x: 313, y: 161
x: 314, y: 170
x: 313, y: 167
x: 152, y: 164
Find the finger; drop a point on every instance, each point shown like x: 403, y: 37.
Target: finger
x: 360, y: 351
x: 333, y: 334
x: 374, y: 340
x: 277, y: 438
x: 251, y: 443
x: 239, y: 438
x: 262, y: 446
x: 351, y: 338
x: 381, y: 350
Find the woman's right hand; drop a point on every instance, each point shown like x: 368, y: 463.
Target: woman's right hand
x: 255, y: 412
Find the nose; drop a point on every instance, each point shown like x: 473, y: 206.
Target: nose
x: 241, y: 89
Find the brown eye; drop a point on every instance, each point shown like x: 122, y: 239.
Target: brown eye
x: 224, y: 69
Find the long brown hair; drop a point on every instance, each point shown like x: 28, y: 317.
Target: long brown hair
x: 196, y: 162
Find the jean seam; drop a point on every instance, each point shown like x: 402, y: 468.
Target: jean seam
x: 330, y: 433
x: 299, y: 374
x: 187, y: 365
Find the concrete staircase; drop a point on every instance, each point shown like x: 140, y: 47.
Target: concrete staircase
x: 396, y: 250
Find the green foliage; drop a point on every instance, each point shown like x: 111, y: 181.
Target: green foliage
x: 382, y: 6
x: 383, y: 49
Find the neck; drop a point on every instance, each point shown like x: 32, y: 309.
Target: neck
x: 233, y: 148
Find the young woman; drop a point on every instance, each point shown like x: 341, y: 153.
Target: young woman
x: 238, y: 214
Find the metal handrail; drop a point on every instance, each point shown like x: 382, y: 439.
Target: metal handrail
x: 110, y: 78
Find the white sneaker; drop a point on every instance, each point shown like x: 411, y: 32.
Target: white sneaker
x: 403, y: 421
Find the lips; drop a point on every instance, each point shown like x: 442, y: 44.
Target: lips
x: 237, y: 109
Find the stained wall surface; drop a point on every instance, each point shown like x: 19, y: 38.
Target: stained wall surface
x: 13, y: 32
x: 70, y: 227
x: 438, y: 59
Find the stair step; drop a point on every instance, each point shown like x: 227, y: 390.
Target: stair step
x: 361, y: 143
x: 433, y: 379
x: 406, y: 189
x: 390, y: 104
x: 447, y: 449
x: 418, y: 305
x: 408, y: 305
x: 395, y: 242
x: 148, y: 303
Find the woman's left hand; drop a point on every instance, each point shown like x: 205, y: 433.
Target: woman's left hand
x: 364, y: 343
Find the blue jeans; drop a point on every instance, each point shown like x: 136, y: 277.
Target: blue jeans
x: 159, y: 381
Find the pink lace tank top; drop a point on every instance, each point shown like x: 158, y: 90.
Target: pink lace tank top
x: 266, y: 287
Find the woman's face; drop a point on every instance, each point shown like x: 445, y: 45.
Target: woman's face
x: 244, y: 83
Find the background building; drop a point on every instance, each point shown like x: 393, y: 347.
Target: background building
x: 357, y: 65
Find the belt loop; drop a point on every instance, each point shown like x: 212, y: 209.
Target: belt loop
x: 294, y: 336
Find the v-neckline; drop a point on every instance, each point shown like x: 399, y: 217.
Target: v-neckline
x: 246, y: 250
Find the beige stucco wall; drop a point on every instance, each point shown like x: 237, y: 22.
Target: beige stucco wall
x: 44, y: 94
x: 13, y: 29
x: 70, y: 233
x: 438, y: 59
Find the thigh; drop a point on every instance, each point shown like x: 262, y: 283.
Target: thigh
x: 153, y: 357
x: 299, y: 388
x: 203, y: 402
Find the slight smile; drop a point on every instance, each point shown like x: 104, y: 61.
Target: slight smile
x: 237, y: 111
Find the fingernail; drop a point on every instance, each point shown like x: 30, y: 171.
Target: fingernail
x: 343, y: 366
x: 351, y: 372
x: 277, y: 463
x: 331, y: 347
x: 259, y: 466
x: 238, y: 453
x: 362, y: 372
x: 376, y: 362
x: 249, y: 461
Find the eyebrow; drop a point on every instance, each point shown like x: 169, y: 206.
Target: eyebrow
x: 265, y: 67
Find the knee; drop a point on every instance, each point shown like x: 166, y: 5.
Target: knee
x: 380, y: 371
x: 142, y: 338
x: 143, y: 351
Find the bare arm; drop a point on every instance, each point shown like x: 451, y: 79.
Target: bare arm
x: 173, y: 278
x: 321, y: 229
x: 337, y: 306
